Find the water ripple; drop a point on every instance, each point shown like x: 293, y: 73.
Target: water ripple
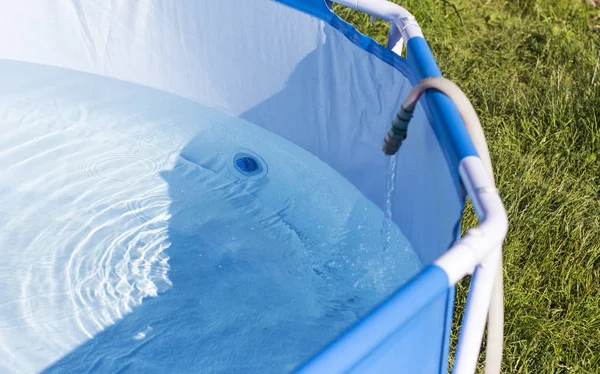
x: 149, y: 141
x: 83, y: 228
x: 122, y: 168
x: 151, y: 209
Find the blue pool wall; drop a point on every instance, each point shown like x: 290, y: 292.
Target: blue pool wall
x: 295, y: 69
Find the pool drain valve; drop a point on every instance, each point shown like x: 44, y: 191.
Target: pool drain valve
x: 397, y: 134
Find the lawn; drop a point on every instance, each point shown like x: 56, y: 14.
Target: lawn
x: 532, y: 71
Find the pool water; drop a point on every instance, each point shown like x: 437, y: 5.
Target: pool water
x: 144, y: 232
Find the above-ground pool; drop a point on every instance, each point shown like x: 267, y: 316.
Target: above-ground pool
x: 172, y: 234
x: 200, y: 187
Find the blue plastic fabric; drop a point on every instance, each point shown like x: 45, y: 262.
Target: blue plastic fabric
x: 403, y: 335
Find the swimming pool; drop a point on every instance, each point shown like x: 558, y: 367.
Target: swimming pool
x: 124, y: 201
x: 199, y: 186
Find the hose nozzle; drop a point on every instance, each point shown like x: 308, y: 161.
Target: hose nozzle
x: 397, y: 134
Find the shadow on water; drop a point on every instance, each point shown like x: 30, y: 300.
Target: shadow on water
x: 208, y: 320
x: 190, y: 327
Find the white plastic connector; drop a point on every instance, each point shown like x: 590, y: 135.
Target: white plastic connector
x: 478, y: 251
x: 397, y: 16
x: 479, y: 242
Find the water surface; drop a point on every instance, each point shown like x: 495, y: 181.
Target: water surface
x: 129, y: 241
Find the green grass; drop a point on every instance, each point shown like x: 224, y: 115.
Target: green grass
x: 531, y: 69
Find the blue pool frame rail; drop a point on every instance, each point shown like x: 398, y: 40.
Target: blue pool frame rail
x: 375, y: 343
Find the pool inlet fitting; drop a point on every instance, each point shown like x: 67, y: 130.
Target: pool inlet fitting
x: 247, y: 165
x: 397, y: 134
